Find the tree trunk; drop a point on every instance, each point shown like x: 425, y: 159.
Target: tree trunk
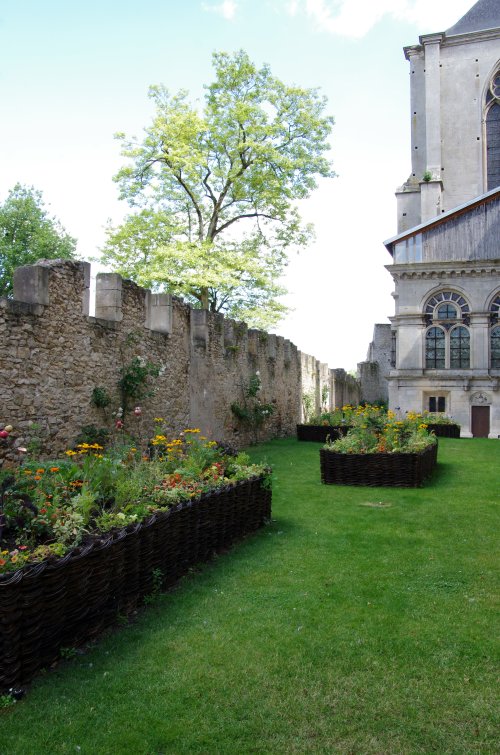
x: 204, y: 298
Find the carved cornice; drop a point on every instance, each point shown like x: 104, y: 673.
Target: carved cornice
x: 445, y: 270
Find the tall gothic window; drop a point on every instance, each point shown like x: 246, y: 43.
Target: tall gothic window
x: 459, y: 347
x: 495, y: 333
x: 493, y: 132
x: 435, y: 348
x: 495, y: 348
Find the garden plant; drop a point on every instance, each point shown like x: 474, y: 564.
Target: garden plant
x: 49, y: 507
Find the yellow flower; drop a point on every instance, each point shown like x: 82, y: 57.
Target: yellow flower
x: 158, y: 419
x: 70, y: 453
x: 194, y: 430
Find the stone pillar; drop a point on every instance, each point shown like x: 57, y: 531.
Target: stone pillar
x: 108, y: 303
x: 431, y: 190
x: 479, y: 341
x: 410, y: 343
x: 199, y: 328
x: 31, y: 284
x: 159, y: 312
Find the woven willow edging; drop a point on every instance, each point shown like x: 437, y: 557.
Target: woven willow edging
x: 444, y: 431
x: 320, y: 433
x: 64, y: 602
x: 384, y: 469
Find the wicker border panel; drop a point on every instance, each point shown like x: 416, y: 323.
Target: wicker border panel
x: 320, y: 433
x: 65, y: 602
x: 379, y: 469
x: 444, y: 431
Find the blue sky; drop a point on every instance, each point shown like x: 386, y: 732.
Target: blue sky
x: 73, y: 74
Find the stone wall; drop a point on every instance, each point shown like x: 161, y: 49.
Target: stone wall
x: 53, y: 355
x: 331, y: 388
x: 373, y: 373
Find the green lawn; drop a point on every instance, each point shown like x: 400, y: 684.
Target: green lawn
x: 362, y: 620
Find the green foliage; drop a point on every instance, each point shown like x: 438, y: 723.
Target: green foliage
x: 427, y: 176
x: 92, y: 434
x: 27, y: 234
x: 48, y: 507
x: 68, y: 653
x: 100, y: 397
x: 157, y: 576
x: 307, y: 405
x: 436, y: 418
x: 6, y: 701
x: 324, y: 394
x: 376, y: 431
x: 253, y: 412
x: 215, y: 191
x: 35, y: 439
x: 134, y: 382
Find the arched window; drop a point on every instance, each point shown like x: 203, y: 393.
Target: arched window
x: 495, y: 347
x: 435, y: 348
x: 492, y: 120
x: 447, y: 340
x: 446, y: 312
x: 446, y: 305
x: 459, y: 347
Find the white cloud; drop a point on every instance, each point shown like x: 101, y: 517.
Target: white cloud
x: 226, y: 9
x: 355, y: 18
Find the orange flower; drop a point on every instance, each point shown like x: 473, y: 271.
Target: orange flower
x: 54, y: 469
x: 37, y: 477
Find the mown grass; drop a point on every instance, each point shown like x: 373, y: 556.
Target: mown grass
x: 362, y: 620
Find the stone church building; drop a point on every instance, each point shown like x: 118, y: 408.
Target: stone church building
x: 441, y: 351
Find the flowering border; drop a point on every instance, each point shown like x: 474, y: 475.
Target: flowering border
x: 64, y: 602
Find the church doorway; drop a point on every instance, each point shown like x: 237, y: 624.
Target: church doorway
x: 480, y: 421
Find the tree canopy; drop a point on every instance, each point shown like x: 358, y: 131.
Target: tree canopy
x: 214, y: 190
x: 28, y: 233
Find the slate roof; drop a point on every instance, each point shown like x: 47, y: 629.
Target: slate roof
x: 485, y: 14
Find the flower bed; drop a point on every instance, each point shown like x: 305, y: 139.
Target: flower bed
x: 406, y: 470
x: 89, y: 536
x: 380, y: 449
x: 64, y: 602
x: 320, y: 433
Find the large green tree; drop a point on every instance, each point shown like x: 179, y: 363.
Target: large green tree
x: 214, y: 190
x: 28, y: 233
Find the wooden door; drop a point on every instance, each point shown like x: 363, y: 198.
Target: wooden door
x: 480, y: 424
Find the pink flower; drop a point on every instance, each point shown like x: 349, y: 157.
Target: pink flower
x: 137, y: 411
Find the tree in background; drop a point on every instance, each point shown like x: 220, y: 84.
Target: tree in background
x: 215, y: 191
x: 28, y: 234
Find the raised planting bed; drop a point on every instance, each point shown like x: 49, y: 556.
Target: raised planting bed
x: 406, y: 470
x: 320, y: 433
x: 64, y: 602
x: 444, y: 430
